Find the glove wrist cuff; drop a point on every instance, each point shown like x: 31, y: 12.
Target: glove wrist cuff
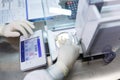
x: 63, y: 67
x: 58, y: 71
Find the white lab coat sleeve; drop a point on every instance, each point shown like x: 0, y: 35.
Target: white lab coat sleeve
x: 38, y: 75
x: 54, y: 72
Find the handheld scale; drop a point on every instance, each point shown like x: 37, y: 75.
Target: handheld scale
x: 32, y: 52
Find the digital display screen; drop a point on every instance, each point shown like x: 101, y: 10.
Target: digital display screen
x: 30, y: 49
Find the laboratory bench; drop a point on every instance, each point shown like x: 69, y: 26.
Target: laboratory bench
x: 94, y: 70
x: 9, y: 60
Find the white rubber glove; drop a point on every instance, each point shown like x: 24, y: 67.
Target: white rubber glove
x: 68, y: 54
x: 14, y: 29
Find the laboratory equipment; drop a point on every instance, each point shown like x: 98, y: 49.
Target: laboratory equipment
x: 40, y: 10
x: 32, y: 52
x: 72, y: 5
x: 93, y: 25
x: 95, y: 28
x: 99, y: 3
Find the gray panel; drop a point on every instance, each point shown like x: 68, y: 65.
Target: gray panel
x: 106, y: 37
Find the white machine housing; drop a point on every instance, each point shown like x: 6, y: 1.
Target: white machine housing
x: 90, y: 20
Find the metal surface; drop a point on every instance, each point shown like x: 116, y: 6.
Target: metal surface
x: 9, y: 62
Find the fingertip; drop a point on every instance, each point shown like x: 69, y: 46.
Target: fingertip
x: 31, y: 24
x: 16, y: 34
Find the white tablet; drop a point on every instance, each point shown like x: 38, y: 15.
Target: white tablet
x: 32, y: 53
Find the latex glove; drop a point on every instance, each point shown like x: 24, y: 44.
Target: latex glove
x: 14, y: 29
x: 68, y: 53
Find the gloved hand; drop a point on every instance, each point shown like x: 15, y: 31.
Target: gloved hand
x: 67, y: 55
x: 14, y: 29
